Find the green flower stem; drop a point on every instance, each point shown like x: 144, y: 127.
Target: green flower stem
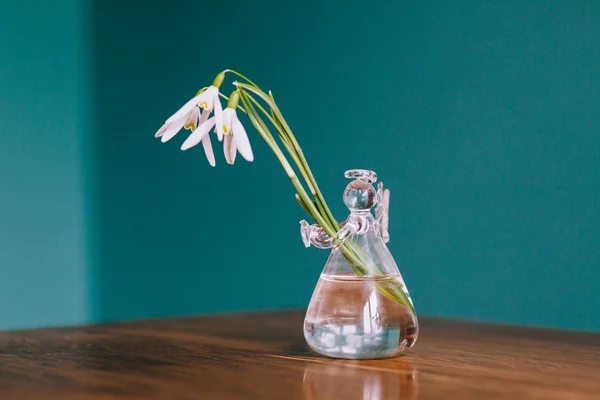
x: 241, y: 76
x: 266, y: 134
x: 358, y: 260
x: 282, y: 135
x: 317, y: 194
x: 296, y: 152
x: 301, y: 164
x: 304, y: 206
x: 242, y: 109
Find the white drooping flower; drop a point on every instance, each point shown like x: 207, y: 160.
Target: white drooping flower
x: 208, y: 100
x: 197, y: 126
x: 235, y: 137
x: 170, y: 129
x: 231, y: 129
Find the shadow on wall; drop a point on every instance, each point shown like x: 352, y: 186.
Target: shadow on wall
x: 482, y: 120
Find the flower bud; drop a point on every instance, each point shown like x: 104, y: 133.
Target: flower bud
x: 219, y: 80
x: 234, y: 99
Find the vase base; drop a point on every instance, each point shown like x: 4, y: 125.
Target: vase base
x: 350, y: 318
x: 325, y: 340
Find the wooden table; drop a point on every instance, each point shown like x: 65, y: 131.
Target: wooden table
x: 263, y: 356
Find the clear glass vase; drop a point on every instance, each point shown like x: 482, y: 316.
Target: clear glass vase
x: 361, y: 307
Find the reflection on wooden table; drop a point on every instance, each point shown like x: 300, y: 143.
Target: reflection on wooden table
x: 264, y: 356
x: 350, y: 381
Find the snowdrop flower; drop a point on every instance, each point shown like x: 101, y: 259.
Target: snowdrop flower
x: 207, y: 99
x: 200, y: 128
x: 235, y: 137
x: 170, y: 129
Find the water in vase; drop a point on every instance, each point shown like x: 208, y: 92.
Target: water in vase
x: 350, y: 318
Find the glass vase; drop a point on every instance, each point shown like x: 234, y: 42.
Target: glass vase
x: 360, y: 308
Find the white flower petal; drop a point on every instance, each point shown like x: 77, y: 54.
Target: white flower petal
x: 204, y: 116
x: 192, y: 119
x: 208, y: 102
x: 225, y: 123
x: 187, y: 107
x: 162, y: 129
x: 232, y: 151
x: 212, y: 93
x: 229, y: 149
x: 198, y: 134
x: 219, y: 115
x: 226, y: 144
x: 241, y: 139
x: 173, y: 129
x: 208, y: 150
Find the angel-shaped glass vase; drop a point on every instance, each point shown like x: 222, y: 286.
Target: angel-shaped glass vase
x: 361, y: 307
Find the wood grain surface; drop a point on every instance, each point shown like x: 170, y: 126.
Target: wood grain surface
x: 263, y: 356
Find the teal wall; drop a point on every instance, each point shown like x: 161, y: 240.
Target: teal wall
x: 482, y: 118
x: 43, y: 265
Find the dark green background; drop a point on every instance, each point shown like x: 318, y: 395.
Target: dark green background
x: 482, y: 117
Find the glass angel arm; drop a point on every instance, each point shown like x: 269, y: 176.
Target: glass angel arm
x: 315, y: 235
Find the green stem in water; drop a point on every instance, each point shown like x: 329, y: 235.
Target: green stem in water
x: 393, y: 290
